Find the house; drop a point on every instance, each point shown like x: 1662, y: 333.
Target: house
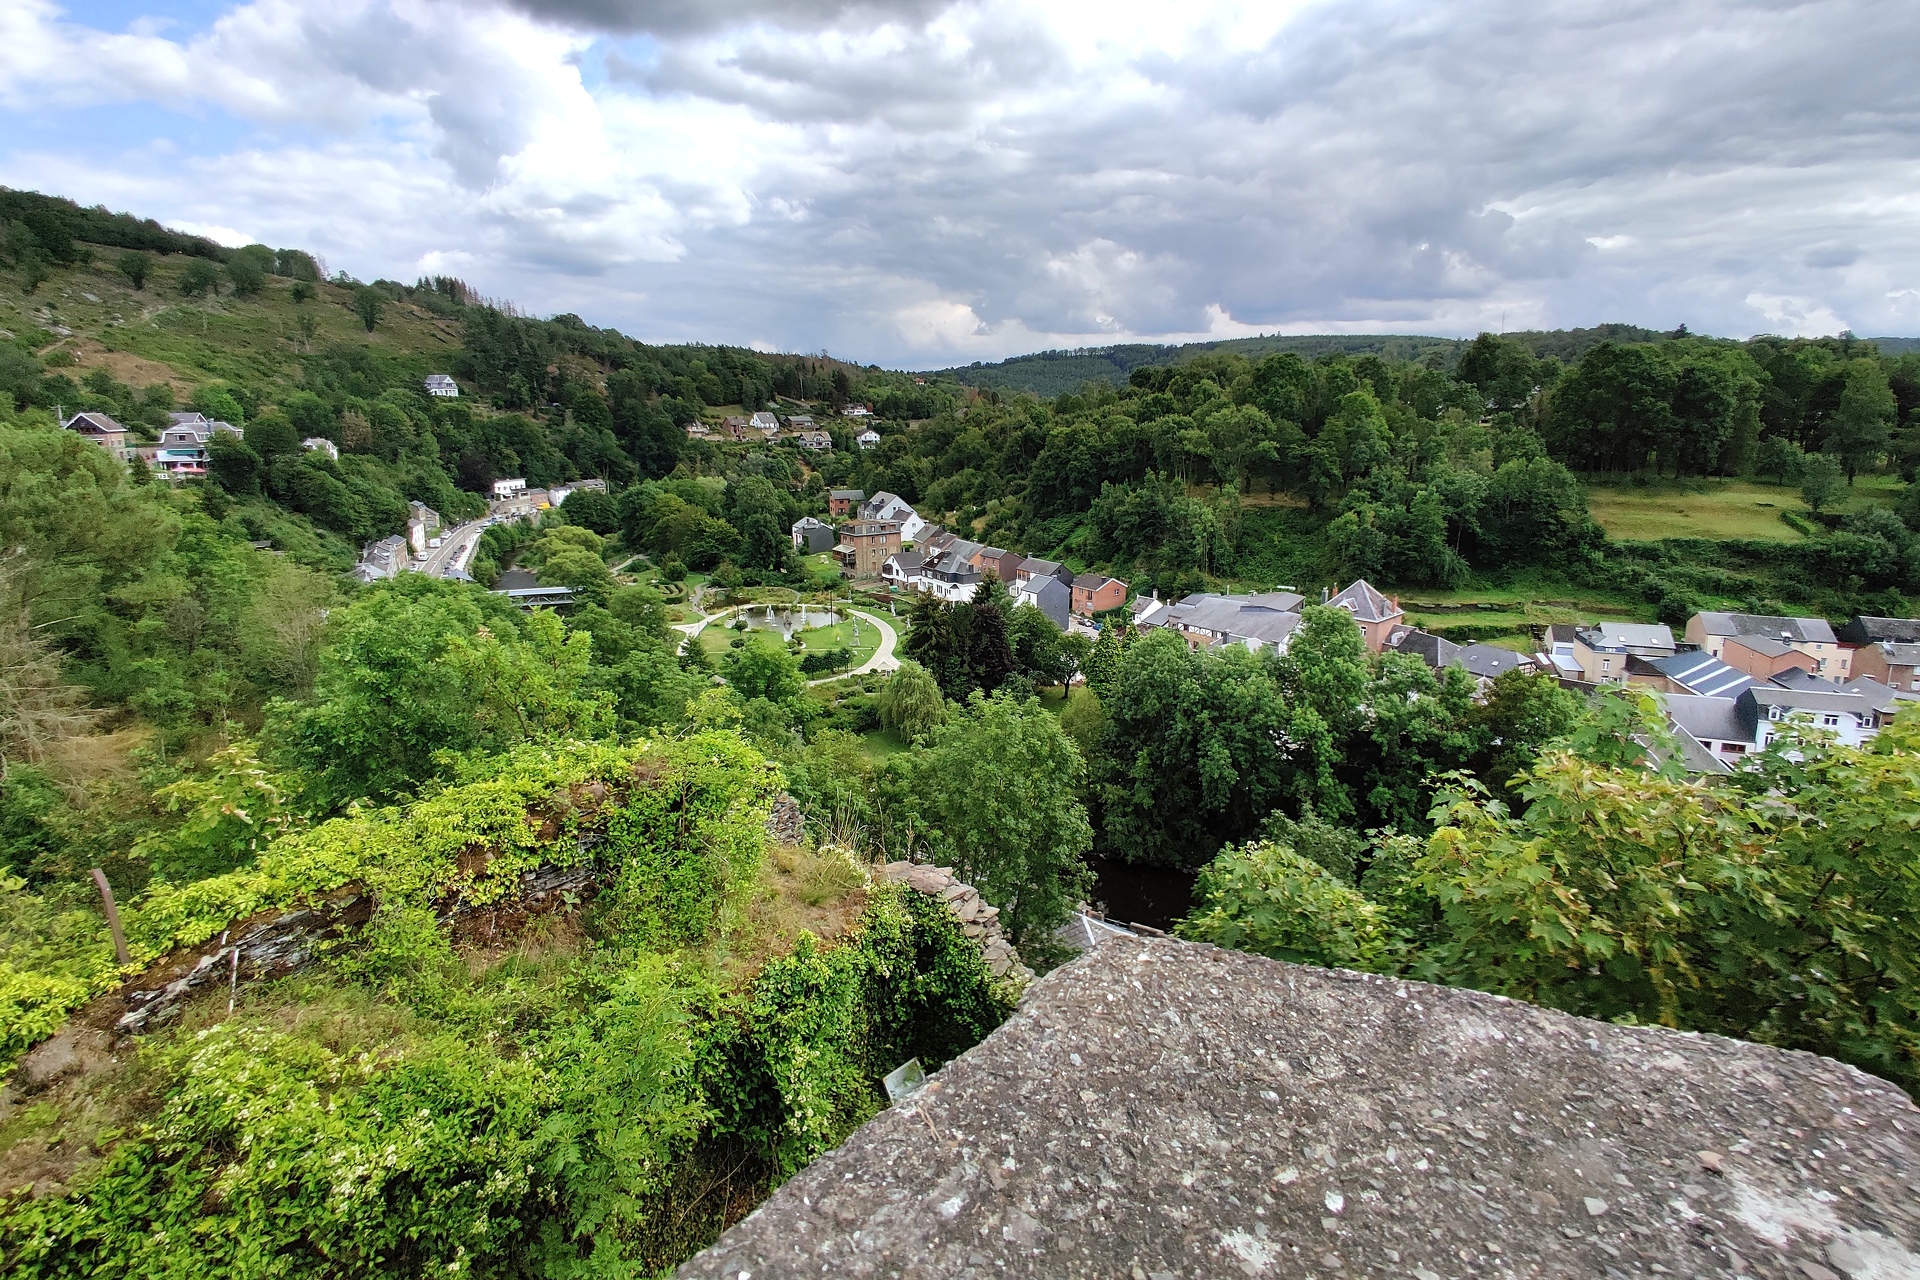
x: 1893, y: 663
x: 442, y: 384
x: 947, y: 570
x: 1376, y: 614
x: 1811, y: 636
x: 903, y: 572
x: 766, y: 422
x: 891, y: 506
x: 320, y: 444
x: 1861, y: 631
x: 865, y: 546
x: 857, y: 411
x: 1850, y: 716
x: 180, y: 464
x: 816, y: 441
x: 508, y: 488
x: 1711, y: 731
x: 1035, y: 567
x: 1602, y: 650
x: 1560, y: 657
x: 800, y: 421
x: 1694, y: 672
x: 1094, y: 594
x: 1762, y: 657
x: 1142, y: 611
x: 100, y: 429
x: 843, y: 501
x: 382, y: 559
x: 1002, y: 564
x: 1050, y: 596
x: 1208, y: 620
x: 867, y: 439
x: 697, y: 430
x: 422, y: 521
x: 1886, y: 701
x: 811, y: 536
x: 1435, y: 651
x: 1485, y: 662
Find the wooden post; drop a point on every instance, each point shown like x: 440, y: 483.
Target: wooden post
x: 113, y: 917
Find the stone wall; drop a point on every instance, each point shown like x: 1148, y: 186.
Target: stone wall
x: 979, y: 919
x: 1162, y: 1110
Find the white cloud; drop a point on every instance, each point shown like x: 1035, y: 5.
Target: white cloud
x: 931, y: 180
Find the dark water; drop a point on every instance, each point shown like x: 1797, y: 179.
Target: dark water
x: 1134, y: 894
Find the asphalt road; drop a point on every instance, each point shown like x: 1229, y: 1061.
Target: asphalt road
x: 454, y: 553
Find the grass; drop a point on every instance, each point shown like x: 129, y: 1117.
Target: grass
x: 1720, y: 509
x: 880, y: 744
x: 716, y: 639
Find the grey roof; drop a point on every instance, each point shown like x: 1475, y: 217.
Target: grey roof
x: 1700, y: 672
x: 1804, y: 630
x: 849, y: 495
x: 1233, y: 618
x: 1801, y: 678
x: 1900, y: 655
x: 1489, y: 661
x: 1769, y: 695
x: 1864, y: 629
x: 1878, y: 695
x: 1709, y: 719
x: 1093, y: 581
x: 1433, y: 650
x: 1367, y: 604
x: 1050, y: 596
x: 1631, y: 635
x: 907, y: 562
x: 1696, y: 756
x: 95, y: 419
x: 1764, y: 645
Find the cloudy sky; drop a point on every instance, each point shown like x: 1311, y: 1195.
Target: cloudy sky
x: 921, y: 182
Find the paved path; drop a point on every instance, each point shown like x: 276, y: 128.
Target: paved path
x: 882, y: 659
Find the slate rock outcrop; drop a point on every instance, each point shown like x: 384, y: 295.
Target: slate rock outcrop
x: 979, y: 919
x: 1159, y: 1109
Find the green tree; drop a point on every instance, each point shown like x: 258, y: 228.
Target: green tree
x: 200, y: 278
x: 246, y: 274
x: 911, y: 703
x: 994, y: 794
x: 1266, y: 898
x: 585, y: 572
x: 762, y: 671
x: 591, y: 509
x: 1820, y: 480
x: 368, y: 304
x: 1860, y: 428
x: 134, y: 266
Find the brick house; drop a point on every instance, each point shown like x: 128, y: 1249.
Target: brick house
x: 865, y: 546
x: 1094, y: 594
x: 1376, y: 613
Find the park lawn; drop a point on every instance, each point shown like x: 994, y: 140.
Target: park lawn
x: 1717, y: 509
x: 717, y: 638
x: 881, y: 743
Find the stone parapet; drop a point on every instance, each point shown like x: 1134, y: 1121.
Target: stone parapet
x: 978, y: 919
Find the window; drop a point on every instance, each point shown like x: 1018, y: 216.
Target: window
x: 1832, y: 722
x: 1773, y: 713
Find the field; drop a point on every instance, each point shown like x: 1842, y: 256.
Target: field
x: 1732, y: 509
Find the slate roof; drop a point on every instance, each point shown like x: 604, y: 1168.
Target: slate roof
x: 1050, y: 596
x: 1863, y: 630
x: 849, y: 495
x: 92, y: 420
x: 1881, y: 697
x: 1702, y: 673
x: 1433, y: 650
x: 1768, y: 695
x: 1709, y: 718
x: 1765, y: 646
x: 1489, y: 661
x: 1900, y: 655
x: 1630, y: 635
x: 1801, y: 678
x: 1802, y: 630
x: 1235, y: 618
x: 1367, y: 604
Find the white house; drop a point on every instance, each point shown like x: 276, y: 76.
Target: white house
x: 442, y: 384
x: 867, y: 439
x: 507, y: 488
x: 891, y: 506
x: 320, y: 444
x: 764, y: 421
x: 856, y: 411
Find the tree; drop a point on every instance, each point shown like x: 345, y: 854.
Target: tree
x: 1780, y: 458
x: 762, y: 671
x: 1859, y: 430
x: 585, y: 572
x: 1820, y: 480
x: 247, y: 276
x: 591, y: 509
x: 200, y: 278
x: 134, y: 266
x: 233, y: 465
x: 911, y: 703
x: 994, y: 794
x: 368, y: 303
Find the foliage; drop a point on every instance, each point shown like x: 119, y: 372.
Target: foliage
x: 911, y: 704
x: 1266, y: 898
x: 994, y: 793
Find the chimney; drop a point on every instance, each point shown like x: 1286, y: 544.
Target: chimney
x: 1325, y: 595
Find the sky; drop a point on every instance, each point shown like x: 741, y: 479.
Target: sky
x: 922, y: 183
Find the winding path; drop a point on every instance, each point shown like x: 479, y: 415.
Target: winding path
x: 882, y: 659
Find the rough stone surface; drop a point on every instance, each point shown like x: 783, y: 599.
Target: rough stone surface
x: 978, y: 918
x: 1161, y: 1109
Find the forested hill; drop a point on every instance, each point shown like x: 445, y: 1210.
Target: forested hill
x: 1051, y: 373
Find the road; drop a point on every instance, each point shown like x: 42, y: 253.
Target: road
x: 454, y: 553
